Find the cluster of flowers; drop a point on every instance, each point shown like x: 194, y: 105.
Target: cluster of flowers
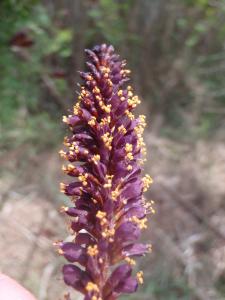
x: 105, y: 153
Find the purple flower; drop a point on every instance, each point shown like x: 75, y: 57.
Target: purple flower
x: 105, y: 155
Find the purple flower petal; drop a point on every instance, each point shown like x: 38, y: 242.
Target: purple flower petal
x: 128, y: 286
x: 135, y: 250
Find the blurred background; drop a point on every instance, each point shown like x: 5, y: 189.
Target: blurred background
x: 176, y: 51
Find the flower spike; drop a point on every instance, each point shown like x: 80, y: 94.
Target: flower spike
x: 105, y: 155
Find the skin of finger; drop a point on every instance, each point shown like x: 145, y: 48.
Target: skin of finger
x: 11, y: 290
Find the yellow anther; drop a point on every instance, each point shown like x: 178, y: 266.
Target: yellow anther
x: 98, y: 97
x: 105, y: 121
x: 134, y: 101
x: 140, y: 222
x: 107, y: 139
x: 65, y: 119
x: 76, y: 109
x: 115, y: 194
x: 92, y: 250
x: 60, y: 251
x: 64, y: 208
x: 92, y: 121
x: 108, y: 183
x: 147, y: 181
x: 120, y: 93
x: 109, y: 82
x: 129, y: 114
x: 108, y: 233
x: 130, y: 261
x: 62, y: 187
x: 95, y: 158
x: 122, y: 129
x: 129, y: 167
x: 130, y: 94
x: 66, y: 141
x: 89, y: 77
x: 128, y: 147
x: 92, y: 287
x: 68, y: 168
x: 107, y: 108
x: 83, y: 179
x: 140, y: 277
x: 100, y: 214
x: 96, y: 90
x: 130, y: 156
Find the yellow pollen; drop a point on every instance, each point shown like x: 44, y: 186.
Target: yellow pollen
x: 107, y: 139
x: 122, y: 129
x: 83, y: 179
x: 129, y: 114
x: 105, y: 121
x: 65, y: 119
x: 101, y: 215
x: 147, y: 181
x: 92, y: 287
x: 115, y: 194
x: 92, y: 121
x: 120, y: 93
x: 130, y: 261
x: 60, y: 251
x: 89, y: 77
x: 130, y: 156
x: 108, y: 183
x: 129, y: 167
x: 108, y: 233
x: 96, y: 90
x: 130, y: 94
x: 64, y: 209
x: 95, y: 158
x: 134, y: 101
x: 62, y: 187
x: 140, y: 277
x: 92, y: 250
x: 140, y: 222
x: 128, y: 147
x: 109, y: 82
x: 76, y: 109
x: 62, y: 154
x: 98, y: 98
